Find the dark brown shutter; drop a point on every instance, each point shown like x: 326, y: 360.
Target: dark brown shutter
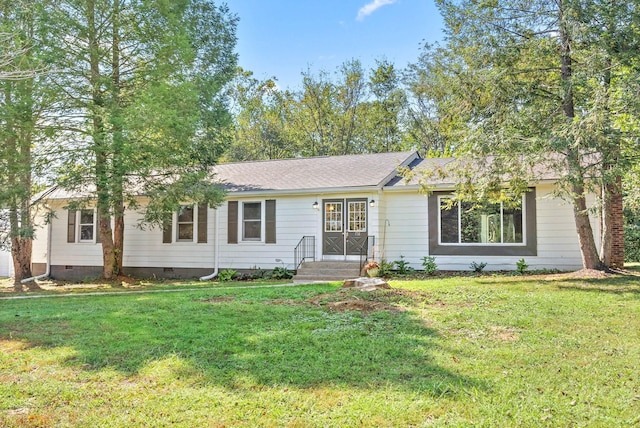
x: 71, y: 226
x: 202, y: 223
x: 270, y: 221
x: 166, y: 232
x: 232, y: 222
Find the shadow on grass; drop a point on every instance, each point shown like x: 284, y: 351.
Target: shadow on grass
x: 619, y: 283
x: 242, y: 343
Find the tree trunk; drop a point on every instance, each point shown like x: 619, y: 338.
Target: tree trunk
x: 108, y: 249
x: 100, y: 146
x: 590, y: 259
x: 21, y: 255
x: 118, y: 145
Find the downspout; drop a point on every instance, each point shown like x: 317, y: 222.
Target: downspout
x: 47, y: 270
x: 216, y: 247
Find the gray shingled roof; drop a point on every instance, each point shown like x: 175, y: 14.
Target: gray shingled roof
x: 293, y: 175
x: 330, y: 172
x: 442, y: 172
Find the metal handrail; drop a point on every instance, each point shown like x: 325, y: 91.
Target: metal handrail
x: 368, y: 244
x: 306, y: 249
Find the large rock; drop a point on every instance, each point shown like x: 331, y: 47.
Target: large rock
x: 366, y: 284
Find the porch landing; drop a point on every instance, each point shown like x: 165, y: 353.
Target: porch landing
x: 327, y: 271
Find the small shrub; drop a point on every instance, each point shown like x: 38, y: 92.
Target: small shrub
x: 385, y: 268
x: 226, y: 275
x: 256, y: 273
x: 478, y: 267
x: 402, y: 266
x: 280, y: 272
x: 521, y: 266
x: 429, y: 264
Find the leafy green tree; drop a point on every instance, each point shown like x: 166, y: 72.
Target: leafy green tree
x: 543, y: 83
x: 384, y: 113
x: 25, y: 101
x: 144, y: 111
x: 262, y: 128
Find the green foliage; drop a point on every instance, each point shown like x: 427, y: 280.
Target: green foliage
x: 226, y: 275
x: 632, y: 243
x: 280, y: 272
x: 540, y: 87
x: 429, y: 264
x: 385, y: 268
x: 521, y: 266
x: 402, y: 266
x: 478, y: 267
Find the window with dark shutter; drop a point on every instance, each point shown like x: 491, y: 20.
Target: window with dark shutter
x: 232, y: 222
x: 270, y: 221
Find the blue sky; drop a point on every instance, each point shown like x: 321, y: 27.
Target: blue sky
x: 282, y: 38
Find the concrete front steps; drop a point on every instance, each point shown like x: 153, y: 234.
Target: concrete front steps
x: 327, y: 271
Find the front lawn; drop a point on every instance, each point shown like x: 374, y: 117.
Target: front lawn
x: 485, y: 351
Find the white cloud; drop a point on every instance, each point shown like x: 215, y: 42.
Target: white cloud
x: 369, y: 8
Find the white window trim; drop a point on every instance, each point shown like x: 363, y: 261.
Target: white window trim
x: 174, y: 226
x: 176, y: 230
x: 79, y: 225
x: 366, y: 213
x: 483, y: 244
x: 342, y: 214
x: 242, y: 220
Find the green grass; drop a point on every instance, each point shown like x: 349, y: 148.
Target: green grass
x: 485, y: 351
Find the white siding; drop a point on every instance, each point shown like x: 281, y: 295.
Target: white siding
x: 295, y: 218
x: 6, y: 264
x: 557, y: 246
x: 404, y: 227
x: 398, y: 220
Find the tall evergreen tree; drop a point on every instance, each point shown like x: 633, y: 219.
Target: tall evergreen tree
x: 144, y: 107
x: 24, y: 102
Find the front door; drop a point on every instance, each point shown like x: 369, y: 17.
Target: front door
x: 344, y: 225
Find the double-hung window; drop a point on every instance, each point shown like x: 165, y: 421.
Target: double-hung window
x: 82, y: 226
x: 185, y: 224
x: 251, y: 221
x: 188, y: 224
x: 87, y: 225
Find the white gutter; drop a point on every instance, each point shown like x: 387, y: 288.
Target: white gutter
x: 216, y: 246
x: 47, y: 270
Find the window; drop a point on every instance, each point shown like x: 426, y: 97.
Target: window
x: 189, y: 224
x: 482, y: 229
x: 251, y: 221
x: 245, y: 220
x: 185, y: 223
x: 333, y: 217
x: 468, y: 223
x: 357, y: 216
x: 81, y: 226
x: 87, y: 226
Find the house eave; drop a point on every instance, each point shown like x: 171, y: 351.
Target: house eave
x: 296, y: 192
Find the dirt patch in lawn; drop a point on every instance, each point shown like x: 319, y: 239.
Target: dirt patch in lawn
x: 221, y: 299
x: 394, y: 300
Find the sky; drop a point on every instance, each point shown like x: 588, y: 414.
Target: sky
x: 283, y: 38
